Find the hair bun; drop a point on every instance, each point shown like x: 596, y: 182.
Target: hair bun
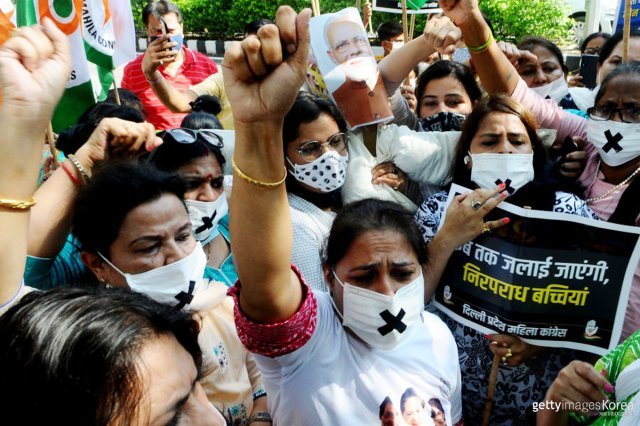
x: 206, y: 103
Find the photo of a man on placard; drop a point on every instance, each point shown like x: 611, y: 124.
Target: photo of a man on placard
x: 349, y: 68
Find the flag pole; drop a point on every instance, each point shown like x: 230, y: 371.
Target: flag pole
x: 412, y: 26
x: 404, y: 20
x: 52, y: 146
x: 491, y: 390
x: 115, y: 89
x: 626, y: 30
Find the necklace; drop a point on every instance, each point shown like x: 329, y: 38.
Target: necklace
x: 609, y: 192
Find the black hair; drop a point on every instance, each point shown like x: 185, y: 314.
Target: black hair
x: 81, y: 347
x: 630, y: 68
x: 531, y: 42
x: 253, y: 26
x: 127, y: 98
x: 612, y: 42
x: 203, y: 113
x: 445, y: 68
x: 366, y: 215
x: 435, y: 402
x: 583, y: 45
x: 502, y: 104
x: 115, y: 190
x: 409, y: 393
x: 383, y: 406
x: 172, y: 155
x: 305, y: 109
x: 72, y: 138
x: 389, y: 29
x: 160, y: 8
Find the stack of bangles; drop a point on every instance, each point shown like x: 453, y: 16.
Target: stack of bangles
x: 259, y: 184
x: 78, y: 166
x: 482, y: 48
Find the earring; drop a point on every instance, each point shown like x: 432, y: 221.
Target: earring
x: 106, y: 284
x: 466, y: 160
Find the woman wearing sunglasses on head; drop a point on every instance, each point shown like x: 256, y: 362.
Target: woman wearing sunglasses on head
x: 133, y: 230
x: 194, y: 153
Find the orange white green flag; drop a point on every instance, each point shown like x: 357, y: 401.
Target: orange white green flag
x: 101, y: 34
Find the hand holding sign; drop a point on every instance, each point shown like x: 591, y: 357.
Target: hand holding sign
x: 465, y: 216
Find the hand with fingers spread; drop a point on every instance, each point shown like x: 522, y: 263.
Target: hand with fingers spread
x: 441, y: 33
x: 512, y: 350
x: 262, y: 74
x: 159, y: 52
x: 514, y: 54
x: 389, y: 174
x: 464, y: 219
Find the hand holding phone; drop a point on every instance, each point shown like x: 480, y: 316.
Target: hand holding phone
x: 589, y: 70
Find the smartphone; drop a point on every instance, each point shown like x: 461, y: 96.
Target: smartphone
x: 573, y: 63
x: 560, y: 155
x: 589, y: 70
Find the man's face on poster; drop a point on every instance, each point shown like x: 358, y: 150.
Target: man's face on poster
x: 349, y: 49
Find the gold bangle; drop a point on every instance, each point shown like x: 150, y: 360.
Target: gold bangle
x: 257, y: 183
x: 482, y: 48
x: 18, y: 204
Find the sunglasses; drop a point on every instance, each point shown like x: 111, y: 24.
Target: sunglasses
x: 187, y: 136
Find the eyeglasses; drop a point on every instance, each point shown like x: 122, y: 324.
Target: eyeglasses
x: 186, y: 136
x: 358, y: 41
x: 592, y: 51
x: 312, y: 150
x: 627, y: 115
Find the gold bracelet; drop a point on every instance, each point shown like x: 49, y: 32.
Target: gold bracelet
x: 18, y: 204
x: 482, y: 48
x: 257, y: 183
x: 81, y: 169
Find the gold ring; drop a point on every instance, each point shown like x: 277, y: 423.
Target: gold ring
x: 509, y: 352
x: 485, y: 228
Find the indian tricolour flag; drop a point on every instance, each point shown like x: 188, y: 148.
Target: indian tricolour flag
x: 7, y: 20
x: 101, y: 34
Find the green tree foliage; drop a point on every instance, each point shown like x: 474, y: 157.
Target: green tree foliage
x: 514, y: 19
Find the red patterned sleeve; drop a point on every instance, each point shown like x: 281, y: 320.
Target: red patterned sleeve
x: 279, y: 338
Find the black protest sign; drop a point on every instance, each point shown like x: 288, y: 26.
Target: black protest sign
x: 552, y: 279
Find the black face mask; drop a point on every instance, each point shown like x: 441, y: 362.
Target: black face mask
x: 443, y: 122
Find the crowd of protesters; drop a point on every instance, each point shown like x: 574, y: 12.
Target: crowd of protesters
x: 161, y: 272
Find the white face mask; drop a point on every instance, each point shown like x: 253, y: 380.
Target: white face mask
x: 617, y: 143
x: 205, y: 215
x: 490, y: 170
x: 173, y: 284
x: 381, y: 320
x: 555, y: 90
x: 326, y: 173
